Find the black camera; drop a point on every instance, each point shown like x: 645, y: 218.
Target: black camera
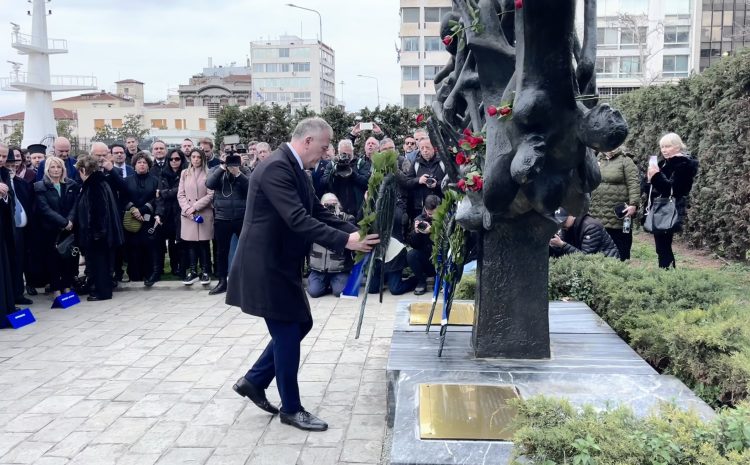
x: 343, y: 166
x: 228, y: 150
x: 331, y: 207
x: 422, y: 226
x: 430, y: 182
x: 240, y: 148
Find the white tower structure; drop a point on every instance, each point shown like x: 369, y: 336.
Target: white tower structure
x: 39, y: 120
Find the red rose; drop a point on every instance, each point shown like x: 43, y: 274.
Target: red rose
x: 420, y: 118
x: 467, y: 132
x: 447, y: 40
x: 505, y: 111
x: 519, y: 4
x: 492, y: 110
x: 473, y: 142
x: 461, y: 158
x: 478, y: 183
x: 461, y: 184
x: 479, y: 140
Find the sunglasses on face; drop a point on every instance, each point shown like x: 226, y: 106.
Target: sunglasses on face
x: 409, y: 143
x: 175, y: 159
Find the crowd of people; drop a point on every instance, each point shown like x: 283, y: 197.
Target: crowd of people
x: 128, y: 209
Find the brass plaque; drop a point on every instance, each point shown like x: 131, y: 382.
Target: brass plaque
x: 466, y: 412
x: 462, y: 313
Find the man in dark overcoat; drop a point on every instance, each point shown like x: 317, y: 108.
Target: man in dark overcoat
x: 282, y: 220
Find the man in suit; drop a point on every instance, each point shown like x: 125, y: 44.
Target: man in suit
x: 159, y: 151
x: 23, y: 193
x: 282, y: 219
x: 119, y: 159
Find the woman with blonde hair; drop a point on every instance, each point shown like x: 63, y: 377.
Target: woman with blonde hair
x: 672, y: 176
x: 197, y: 220
x: 56, y: 196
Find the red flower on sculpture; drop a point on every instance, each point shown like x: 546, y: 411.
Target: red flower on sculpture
x: 478, y: 183
x: 519, y: 4
x: 461, y: 158
x: 420, y: 118
x: 447, y: 40
x: 492, y: 110
x: 505, y: 111
x: 467, y: 132
x: 461, y: 184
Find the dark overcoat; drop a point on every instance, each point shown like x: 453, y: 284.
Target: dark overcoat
x: 282, y: 220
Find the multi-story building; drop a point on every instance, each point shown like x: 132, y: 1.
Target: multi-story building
x: 422, y: 54
x: 293, y: 71
x: 725, y: 28
x: 215, y: 90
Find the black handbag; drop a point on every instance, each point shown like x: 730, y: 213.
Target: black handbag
x: 66, y: 247
x: 661, y: 214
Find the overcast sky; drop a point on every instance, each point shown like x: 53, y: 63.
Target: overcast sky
x: 164, y: 42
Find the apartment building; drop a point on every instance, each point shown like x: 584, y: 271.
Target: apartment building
x: 725, y: 29
x: 293, y: 71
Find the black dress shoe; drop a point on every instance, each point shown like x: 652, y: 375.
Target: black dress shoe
x: 24, y: 301
x: 153, y: 279
x: 245, y: 388
x: 94, y: 298
x: 303, y: 420
x: 219, y: 288
x: 31, y: 290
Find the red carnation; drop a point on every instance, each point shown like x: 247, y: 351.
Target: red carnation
x: 519, y: 4
x: 461, y: 184
x: 467, y: 132
x: 420, y: 118
x: 447, y: 40
x: 478, y: 183
x: 492, y: 110
x: 505, y: 111
x: 461, y: 158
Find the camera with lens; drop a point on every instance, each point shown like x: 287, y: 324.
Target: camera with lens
x: 331, y: 207
x: 240, y: 148
x: 431, y: 182
x: 422, y: 226
x: 343, y: 166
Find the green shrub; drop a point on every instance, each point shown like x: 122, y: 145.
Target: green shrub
x: 552, y: 432
x: 467, y: 287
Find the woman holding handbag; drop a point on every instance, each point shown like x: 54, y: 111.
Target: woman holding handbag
x: 56, y: 196
x: 141, y: 244
x: 197, y: 220
x: 670, y: 178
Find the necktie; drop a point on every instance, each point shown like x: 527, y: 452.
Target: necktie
x: 19, y: 213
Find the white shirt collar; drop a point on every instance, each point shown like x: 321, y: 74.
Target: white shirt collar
x: 296, y: 155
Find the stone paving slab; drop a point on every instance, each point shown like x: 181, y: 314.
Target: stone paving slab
x: 146, y: 378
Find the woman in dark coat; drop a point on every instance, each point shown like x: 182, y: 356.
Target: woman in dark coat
x: 7, y: 243
x: 97, y: 225
x: 672, y: 176
x: 141, y: 246
x: 168, y: 210
x: 56, y: 196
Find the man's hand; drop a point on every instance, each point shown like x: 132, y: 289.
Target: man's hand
x: 361, y: 245
x: 107, y: 165
x: 426, y: 230
x: 423, y: 179
x: 376, y: 129
x: 356, y: 130
x: 556, y: 241
x: 3, y: 189
x: 157, y: 220
x: 652, y: 170
x: 69, y: 226
x: 630, y: 210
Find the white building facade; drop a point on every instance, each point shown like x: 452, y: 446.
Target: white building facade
x: 293, y: 71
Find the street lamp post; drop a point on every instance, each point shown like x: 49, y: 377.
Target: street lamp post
x: 377, y: 84
x: 320, y: 18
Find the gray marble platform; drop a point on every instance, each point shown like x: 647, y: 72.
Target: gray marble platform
x: 589, y: 364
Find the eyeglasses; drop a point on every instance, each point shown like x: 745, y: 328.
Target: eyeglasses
x: 175, y: 159
x: 409, y: 143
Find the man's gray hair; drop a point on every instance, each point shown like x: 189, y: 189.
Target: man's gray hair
x: 262, y: 145
x: 311, y: 126
x: 347, y: 143
x: 386, y: 140
x: 98, y: 144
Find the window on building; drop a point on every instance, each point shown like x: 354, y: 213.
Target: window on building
x: 283, y: 53
x: 429, y: 98
x: 675, y: 66
x: 608, y: 37
x: 435, y: 15
x: 202, y: 124
x: 677, y: 7
x: 158, y: 124
x: 615, y: 7
x: 430, y: 71
x: 630, y: 67
x: 301, y: 67
x: 241, y: 101
x: 300, y: 52
x: 259, y: 68
x: 433, y: 44
x: 223, y: 101
x: 409, y: 15
x: 206, y: 101
x: 213, y: 109
x: 676, y: 36
x: 116, y: 123
x: 633, y: 38
x: 189, y: 102
x: 98, y: 123
x: 606, y: 67
x: 179, y: 124
x: 410, y: 44
x: 410, y: 73
x: 411, y: 101
x: 284, y: 67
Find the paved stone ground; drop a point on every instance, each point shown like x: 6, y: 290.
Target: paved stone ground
x: 146, y: 378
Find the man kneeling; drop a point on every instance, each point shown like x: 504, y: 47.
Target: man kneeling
x: 329, y: 269
x: 585, y: 235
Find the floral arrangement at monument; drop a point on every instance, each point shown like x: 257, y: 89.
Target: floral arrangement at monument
x: 469, y: 156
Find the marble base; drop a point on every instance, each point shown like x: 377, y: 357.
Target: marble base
x: 589, y: 364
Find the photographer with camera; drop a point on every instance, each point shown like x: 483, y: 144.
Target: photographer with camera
x: 339, y: 179
x: 329, y: 269
x: 424, y: 178
x: 419, y: 257
x: 229, y: 182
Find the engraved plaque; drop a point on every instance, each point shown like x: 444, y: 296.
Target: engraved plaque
x: 462, y: 313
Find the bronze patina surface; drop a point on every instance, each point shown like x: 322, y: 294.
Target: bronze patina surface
x: 466, y: 412
x: 462, y: 313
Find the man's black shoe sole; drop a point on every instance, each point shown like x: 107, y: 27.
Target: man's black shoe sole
x: 272, y: 411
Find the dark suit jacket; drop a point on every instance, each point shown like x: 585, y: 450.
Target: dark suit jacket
x: 282, y: 220
x: 24, y: 194
x: 317, y: 177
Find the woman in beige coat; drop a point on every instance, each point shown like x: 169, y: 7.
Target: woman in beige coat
x: 197, y: 221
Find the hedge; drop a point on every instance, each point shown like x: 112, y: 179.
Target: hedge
x: 552, y: 432
x: 711, y: 112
